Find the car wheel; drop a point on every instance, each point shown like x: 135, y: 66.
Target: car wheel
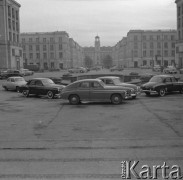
x: 181, y: 90
x: 50, y: 94
x: 74, y: 99
x: 25, y: 93
x: 17, y: 89
x: 161, y: 92
x: 116, y: 99
x: 5, y: 88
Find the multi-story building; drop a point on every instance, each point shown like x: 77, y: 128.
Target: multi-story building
x: 50, y: 50
x: 179, y: 44
x: 97, y: 53
x: 10, y: 49
x: 146, y: 47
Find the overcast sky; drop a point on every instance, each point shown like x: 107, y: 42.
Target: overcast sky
x: 84, y: 19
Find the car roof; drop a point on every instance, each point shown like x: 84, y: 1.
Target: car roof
x: 88, y: 80
x: 15, y: 77
x: 106, y: 77
x: 39, y: 78
x: 163, y: 76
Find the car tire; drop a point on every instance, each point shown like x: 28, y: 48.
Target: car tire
x: 161, y: 92
x: 25, y: 93
x: 116, y: 99
x: 17, y: 89
x: 6, y: 89
x: 74, y: 99
x: 181, y: 90
x: 50, y: 95
x: 147, y: 93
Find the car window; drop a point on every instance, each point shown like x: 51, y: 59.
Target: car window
x: 109, y: 81
x: 39, y: 83
x: 167, y: 80
x: 9, y: 79
x: 84, y: 85
x: 32, y: 82
x: 95, y: 85
x: 19, y: 79
x: 173, y: 79
x: 12, y: 80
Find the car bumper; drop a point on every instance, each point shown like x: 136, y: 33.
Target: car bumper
x: 150, y: 91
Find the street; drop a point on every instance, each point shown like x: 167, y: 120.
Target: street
x: 50, y: 139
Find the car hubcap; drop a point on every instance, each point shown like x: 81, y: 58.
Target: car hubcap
x: 162, y: 92
x: 50, y: 94
x: 116, y: 99
x: 74, y: 99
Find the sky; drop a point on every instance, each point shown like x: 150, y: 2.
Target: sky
x: 84, y: 19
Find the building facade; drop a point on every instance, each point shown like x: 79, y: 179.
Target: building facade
x: 146, y: 48
x: 179, y: 44
x: 98, y: 53
x: 51, y: 50
x: 10, y: 48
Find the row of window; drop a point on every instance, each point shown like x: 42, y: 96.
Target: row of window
x: 13, y: 13
x: 152, y: 45
x: 51, y: 39
x: 13, y: 25
x: 152, y: 53
x: 44, y: 47
x: 179, y: 10
x: 45, y: 55
x: 153, y: 37
x: 13, y: 37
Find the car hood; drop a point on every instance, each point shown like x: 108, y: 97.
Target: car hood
x: 150, y: 84
x: 127, y: 85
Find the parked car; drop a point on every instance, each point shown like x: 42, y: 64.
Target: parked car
x: 115, y: 81
x: 162, y: 84
x: 10, y: 73
x: 14, y: 83
x: 94, y: 90
x: 145, y: 67
x: 145, y: 78
x: 26, y: 72
x: 116, y: 68
x: 170, y: 70
x: 78, y: 70
x: 96, y: 68
x: 41, y: 86
x: 157, y: 68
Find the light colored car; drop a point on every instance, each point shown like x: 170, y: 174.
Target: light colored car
x: 170, y: 70
x: 14, y: 83
x: 78, y: 70
x: 26, y: 72
x: 115, y: 81
x: 93, y: 90
x: 157, y: 68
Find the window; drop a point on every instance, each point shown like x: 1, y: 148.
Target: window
x: 158, y: 37
x: 144, y: 45
x: 37, y: 47
x: 60, y: 39
x: 33, y: 82
x: 9, y: 11
x: 159, y: 53
x: 178, y: 11
x: 17, y: 38
x: 52, y: 65
x: 135, y: 38
x: 45, y: 55
x: 44, y: 48
x: 173, y: 45
x: 30, y: 47
x: 37, y: 55
x: 23, y: 40
x: 20, y: 53
x: 60, y: 46
x: 166, y: 53
x: 13, y: 13
x: 95, y: 85
x: 14, y: 38
x: 151, y: 37
x: 30, y: 39
x: 158, y: 45
x: 144, y: 37
x: 9, y: 23
x: 173, y: 79
x: 172, y: 37
x: 10, y: 36
x: 44, y: 40
x: 52, y: 55
x: 84, y: 85
x: 168, y: 79
x: 24, y: 56
x: 173, y: 53
x: 109, y: 81
x: 151, y: 53
x: 51, y: 39
x: 13, y: 52
x: 60, y: 55
x: 135, y: 53
x: 17, y: 15
x: 165, y: 45
x: 13, y: 22
x: 151, y: 45
x: 144, y: 54
x: 37, y: 40
x: 39, y: 83
x: 51, y: 47
x: 31, y: 56
x: 165, y: 37
x: 135, y: 45
x: 17, y: 27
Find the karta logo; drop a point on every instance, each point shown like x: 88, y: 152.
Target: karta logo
x: 129, y: 170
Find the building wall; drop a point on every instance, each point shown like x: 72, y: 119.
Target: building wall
x: 50, y: 50
x: 179, y: 45
x: 146, y: 47
x: 10, y: 49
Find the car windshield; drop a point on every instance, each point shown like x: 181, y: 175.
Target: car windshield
x: 19, y: 79
x: 156, y: 79
x: 102, y: 83
x: 47, y: 81
x: 116, y: 81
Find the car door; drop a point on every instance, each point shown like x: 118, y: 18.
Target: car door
x: 97, y: 91
x: 168, y: 83
x: 176, y: 86
x: 39, y: 88
x: 83, y: 90
x: 31, y: 87
x: 8, y: 83
x: 12, y: 84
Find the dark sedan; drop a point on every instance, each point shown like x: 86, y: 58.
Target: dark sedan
x: 93, y: 90
x: 161, y: 84
x: 41, y: 86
